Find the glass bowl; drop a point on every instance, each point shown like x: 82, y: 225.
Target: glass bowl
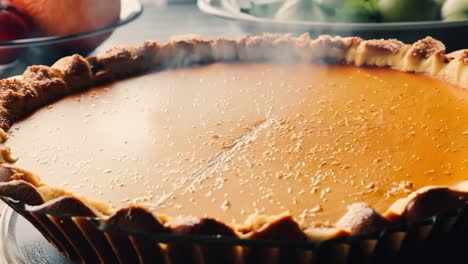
x: 53, y: 47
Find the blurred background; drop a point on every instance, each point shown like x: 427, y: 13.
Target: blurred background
x: 158, y: 20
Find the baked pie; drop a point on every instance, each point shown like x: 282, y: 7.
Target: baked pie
x: 267, y: 137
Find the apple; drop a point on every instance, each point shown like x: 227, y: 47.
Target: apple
x: 409, y: 10
x: 455, y: 10
x: 66, y: 17
x: 13, y: 25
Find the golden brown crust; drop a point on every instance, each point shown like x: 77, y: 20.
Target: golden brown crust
x: 40, y: 85
x: 362, y: 219
x: 464, y: 56
x: 427, y: 47
x: 382, y: 46
x: 47, y: 82
x: 17, y: 98
x: 76, y: 72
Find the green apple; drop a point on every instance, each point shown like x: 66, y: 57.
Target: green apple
x: 331, y: 3
x: 409, y: 10
x: 357, y: 11
x: 455, y: 10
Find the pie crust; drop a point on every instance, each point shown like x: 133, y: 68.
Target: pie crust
x: 79, y: 238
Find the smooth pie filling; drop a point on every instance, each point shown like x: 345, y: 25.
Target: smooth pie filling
x: 230, y: 140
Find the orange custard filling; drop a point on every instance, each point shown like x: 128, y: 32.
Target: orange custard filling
x: 230, y: 140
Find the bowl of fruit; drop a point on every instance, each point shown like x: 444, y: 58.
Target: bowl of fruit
x: 59, y: 27
x: 407, y: 20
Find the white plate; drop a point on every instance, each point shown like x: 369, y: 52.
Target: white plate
x: 229, y: 9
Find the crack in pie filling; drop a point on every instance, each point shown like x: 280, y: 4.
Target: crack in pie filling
x: 246, y: 136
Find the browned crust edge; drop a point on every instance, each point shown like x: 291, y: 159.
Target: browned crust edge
x: 41, y: 85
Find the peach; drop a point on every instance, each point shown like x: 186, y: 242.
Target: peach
x: 59, y: 17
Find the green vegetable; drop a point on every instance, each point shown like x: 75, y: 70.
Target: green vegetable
x: 357, y: 11
x: 265, y: 8
x: 330, y: 3
x: 455, y: 10
x: 329, y: 10
x: 409, y: 10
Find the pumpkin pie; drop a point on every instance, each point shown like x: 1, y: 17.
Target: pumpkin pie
x: 268, y: 137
